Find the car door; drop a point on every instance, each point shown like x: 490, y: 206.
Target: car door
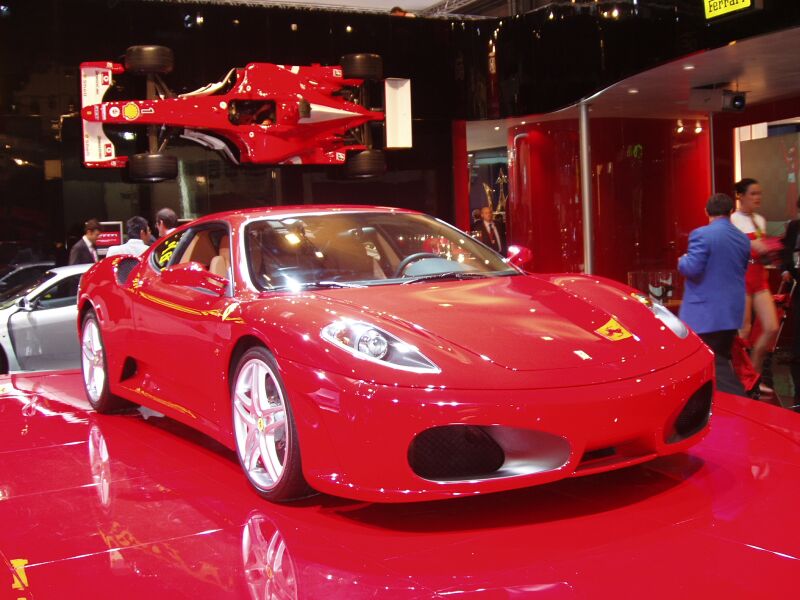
x: 181, y: 327
x: 44, y: 337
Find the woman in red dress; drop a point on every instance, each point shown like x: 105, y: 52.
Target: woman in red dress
x: 758, y: 297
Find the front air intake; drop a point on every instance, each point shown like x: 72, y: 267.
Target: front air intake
x: 454, y: 452
x: 694, y: 416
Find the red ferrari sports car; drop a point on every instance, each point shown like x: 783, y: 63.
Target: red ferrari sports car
x: 381, y: 354
x: 262, y: 113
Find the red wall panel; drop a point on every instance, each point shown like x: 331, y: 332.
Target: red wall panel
x: 650, y: 185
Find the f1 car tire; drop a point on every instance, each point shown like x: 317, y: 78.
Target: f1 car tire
x: 366, y: 163
x: 146, y: 60
x: 362, y: 66
x: 152, y: 167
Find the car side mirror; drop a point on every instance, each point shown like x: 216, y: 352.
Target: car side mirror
x: 25, y: 304
x: 519, y: 256
x: 195, y: 275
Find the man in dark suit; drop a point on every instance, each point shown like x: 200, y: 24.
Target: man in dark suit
x: 490, y: 232
x: 791, y: 273
x: 713, y: 300
x: 83, y: 251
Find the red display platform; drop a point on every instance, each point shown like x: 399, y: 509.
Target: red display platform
x: 95, y: 506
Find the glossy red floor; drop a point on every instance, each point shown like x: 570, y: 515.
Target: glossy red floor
x: 124, y: 507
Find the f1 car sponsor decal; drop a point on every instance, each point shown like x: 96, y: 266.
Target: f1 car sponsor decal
x: 131, y: 111
x: 114, y: 111
x: 613, y: 331
x: 340, y: 156
x: 337, y: 73
x: 148, y: 111
x: 108, y: 150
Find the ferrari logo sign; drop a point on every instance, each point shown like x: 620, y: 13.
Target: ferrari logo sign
x: 613, y: 331
x: 717, y: 8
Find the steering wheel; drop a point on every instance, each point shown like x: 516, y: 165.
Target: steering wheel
x: 398, y: 272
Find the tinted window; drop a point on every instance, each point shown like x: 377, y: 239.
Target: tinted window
x: 8, y: 297
x: 23, y: 276
x: 63, y: 293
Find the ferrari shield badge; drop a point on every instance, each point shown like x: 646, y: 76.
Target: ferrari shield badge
x: 613, y: 331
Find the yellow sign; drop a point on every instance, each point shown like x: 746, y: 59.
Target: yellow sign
x: 717, y: 8
x: 613, y: 331
x: 130, y: 111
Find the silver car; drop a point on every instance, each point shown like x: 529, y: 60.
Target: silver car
x: 37, y: 325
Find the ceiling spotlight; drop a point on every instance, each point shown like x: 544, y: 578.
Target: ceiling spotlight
x: 522, y: 122
x: 698, y: 128
x: 497, y: 128
x: 615, y: 13
x: 348, y: 29
x: 679, y: 128
x: 633, y: 91
x: 688, y: 67
x: 199, y: 19
x: 293, y: 26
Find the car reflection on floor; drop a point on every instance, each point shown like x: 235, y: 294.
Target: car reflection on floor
x: 128, y: 507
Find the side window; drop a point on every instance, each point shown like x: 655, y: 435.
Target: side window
x: 163, y: 253
x: 210, y: 247
x: 63, y: 293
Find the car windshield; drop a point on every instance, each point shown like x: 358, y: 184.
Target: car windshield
x: 10, y: 296
x: 344, y: 249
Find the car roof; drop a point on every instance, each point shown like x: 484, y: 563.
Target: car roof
x: 71, y: 269
x: 300, y: 210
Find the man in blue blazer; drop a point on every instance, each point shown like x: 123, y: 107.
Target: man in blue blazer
x: 713, y: 298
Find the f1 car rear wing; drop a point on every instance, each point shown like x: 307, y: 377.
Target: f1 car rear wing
x: 98, y: 150
x: 397, y: 96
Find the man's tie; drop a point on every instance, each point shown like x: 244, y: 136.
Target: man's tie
x: 492, y: 235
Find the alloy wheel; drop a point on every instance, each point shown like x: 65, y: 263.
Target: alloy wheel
x: 92, y: 360
x: 259, y: 416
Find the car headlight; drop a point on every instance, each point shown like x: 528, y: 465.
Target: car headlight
x: 664, y: 315
x: 374, y: 344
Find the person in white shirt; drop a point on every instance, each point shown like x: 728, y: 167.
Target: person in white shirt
x: 83, y: 251
x: 166, y: 221
x: 138, y: 236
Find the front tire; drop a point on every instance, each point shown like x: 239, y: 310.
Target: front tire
x: 362, y: 66
x: 264, y: 429
x: 148, y: 60
x: 94, y: 367
x: 152, y: 167
x: 365, y: 163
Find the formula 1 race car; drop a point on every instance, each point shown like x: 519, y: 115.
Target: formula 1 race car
x: 262, y: 113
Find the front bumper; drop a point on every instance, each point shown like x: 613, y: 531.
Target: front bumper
x: 355, y: 435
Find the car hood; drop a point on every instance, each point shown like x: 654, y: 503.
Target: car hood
x: 522, y: 323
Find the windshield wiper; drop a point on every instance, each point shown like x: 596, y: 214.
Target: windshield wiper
x: 446, y: 275
x: 332, y: 284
